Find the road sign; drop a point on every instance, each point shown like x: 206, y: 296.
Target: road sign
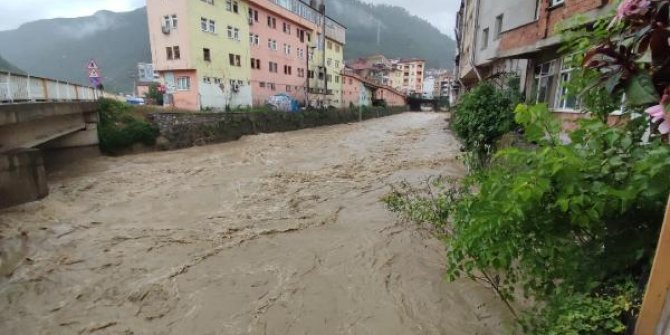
x: 93, y: 73
x: 95, y: 82
x: 92, y: 65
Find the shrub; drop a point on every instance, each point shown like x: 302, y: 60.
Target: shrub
x: 483, y: 116
x: 566, y: 224
x: 155, y: 94
x: 120, y: 128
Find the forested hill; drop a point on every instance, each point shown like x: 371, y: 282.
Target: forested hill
x: 401, y: 33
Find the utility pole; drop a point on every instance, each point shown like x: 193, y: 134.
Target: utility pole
x: 323, y: 46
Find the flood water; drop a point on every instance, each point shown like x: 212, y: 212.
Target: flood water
x: 273, y: 234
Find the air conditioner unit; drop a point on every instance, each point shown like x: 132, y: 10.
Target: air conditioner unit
x: 166, y: 30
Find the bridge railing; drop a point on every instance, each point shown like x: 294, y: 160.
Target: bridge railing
x: 16, y: 88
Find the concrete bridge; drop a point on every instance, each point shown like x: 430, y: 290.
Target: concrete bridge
x: 39, y: 114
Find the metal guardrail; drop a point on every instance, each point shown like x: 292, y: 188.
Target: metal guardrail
x: 15, y: 88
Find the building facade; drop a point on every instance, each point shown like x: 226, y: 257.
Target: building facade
x: 237, y: 53
x: 413, y: 72
x: 502, y: 38
x: 361, y: 91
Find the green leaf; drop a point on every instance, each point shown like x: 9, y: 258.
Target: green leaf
x: 640, y: 91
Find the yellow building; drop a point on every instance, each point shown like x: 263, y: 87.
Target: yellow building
x: 200, y: 50
x: 203, y: 52
x: 334, y: 67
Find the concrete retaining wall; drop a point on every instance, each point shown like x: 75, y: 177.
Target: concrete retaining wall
x: 22, y: 177
x: 181, y: 130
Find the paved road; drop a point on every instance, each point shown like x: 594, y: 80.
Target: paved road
x: 273, y: 234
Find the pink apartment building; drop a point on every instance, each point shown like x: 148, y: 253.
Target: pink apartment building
x: 279, y: 42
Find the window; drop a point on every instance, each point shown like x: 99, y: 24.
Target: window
x: 261, y: 84
x: 301, y: 73
x: 287, y: 49
x: 211, y: 2
x: 183, y: 83
x: 499, y: 26
x: 272, y: 86
x: 207, y: 80
x: 170, y: 22
x: 232, y: 6
x: 233, y: 33
x: 337, y: 63
x: 485, y: 38
x: 287, y: 70
x: 203, y: 24
x: 206, y: 55
x: 212, y: 26
x: 174, y: 21
x: 555, y: 3
x: 286, y: 28
x: 337, y: 48
x: 329, y: 61
x: 272, y: 22
x: 545, y: 81
x: 254, y: 39
x: 329, y: 78
x: 565, y: 99
x: 172, y: 53
x: 272, y: 44
x: 301, y: 53
x: 256, y: 63
x: 288, y: 88
x: 273, y: 67
x: 337, y: 79
x: 253, y: 15
x: 330, y: 45
x: 310, y: 74
x: 234, y: 60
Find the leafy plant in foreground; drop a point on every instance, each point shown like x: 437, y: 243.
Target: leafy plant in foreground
x: 564, y: 224
x: 483, y: 116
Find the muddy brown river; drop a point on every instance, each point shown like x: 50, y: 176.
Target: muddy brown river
x: 273, y: 234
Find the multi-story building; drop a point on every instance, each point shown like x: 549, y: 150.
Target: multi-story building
x: 199, y: 52
x: 519, y: 37
x: 412, y: 74
x: 376, y: 68
x: 361, y: 91
x: 279, y: 46
x: 335, y: 41
x: 235, y: 53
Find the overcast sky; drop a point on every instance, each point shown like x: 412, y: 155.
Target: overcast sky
x: 15, y: 12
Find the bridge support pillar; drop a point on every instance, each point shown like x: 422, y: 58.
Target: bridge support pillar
x: 22, y: 177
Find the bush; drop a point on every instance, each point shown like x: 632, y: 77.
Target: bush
x: 566, y: 224
x: 120, y: 127
x: 154, y: 94
x: 483, y: 116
